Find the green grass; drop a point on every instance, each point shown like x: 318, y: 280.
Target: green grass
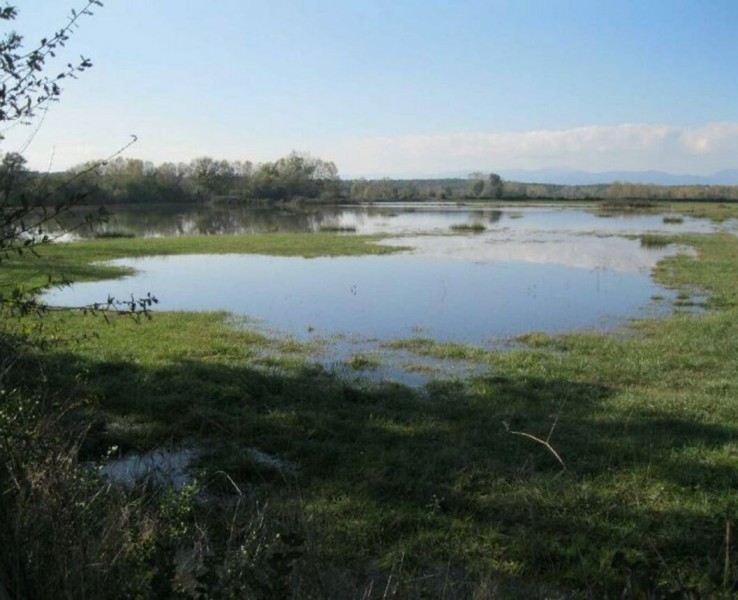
x: 715, y: 211
x: 655, y: 240
x: 74, y: 260
x: 363, y: 362
x: 440, y: 350
x: 432, y: 482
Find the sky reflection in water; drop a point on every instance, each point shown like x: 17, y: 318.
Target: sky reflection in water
x: 459, y: 296
x: 536, y: 269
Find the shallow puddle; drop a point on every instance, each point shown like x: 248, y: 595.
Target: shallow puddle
x: 162, y: 467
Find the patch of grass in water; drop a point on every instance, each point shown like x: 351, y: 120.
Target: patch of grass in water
x: 363, y: 362
x: 536, y: 339
x: 420, y: 368
x: 650, y: 240
x: 440, y: 350
x: 338, y: 228
x: 673, y: 220
x: 469, y: 227
x: 686, y: 303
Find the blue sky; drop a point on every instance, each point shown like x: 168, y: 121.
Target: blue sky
x: 402, y: 87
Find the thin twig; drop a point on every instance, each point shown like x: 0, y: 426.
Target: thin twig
x: 541, y: 441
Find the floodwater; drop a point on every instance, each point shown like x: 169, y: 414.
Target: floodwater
x: 544, y: 268
x: 387, y: 218
x: 386, y: 297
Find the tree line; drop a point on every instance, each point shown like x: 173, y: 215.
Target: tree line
x: 479, y: 186
x: 298, y: 177
x: 134, y: 181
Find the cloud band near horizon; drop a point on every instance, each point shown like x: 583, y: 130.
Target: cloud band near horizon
x: 694, y: 150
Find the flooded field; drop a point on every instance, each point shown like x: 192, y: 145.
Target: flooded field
x: 385, y: 218
x: 473, y: 276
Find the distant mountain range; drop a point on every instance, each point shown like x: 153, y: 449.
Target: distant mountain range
x: 572, y: 177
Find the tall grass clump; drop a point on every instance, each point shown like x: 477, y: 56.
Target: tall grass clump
x: 650, y: 240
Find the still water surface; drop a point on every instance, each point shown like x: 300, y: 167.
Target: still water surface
x: 530, y: 268
x: 386, y: 297
x: 400, y: 219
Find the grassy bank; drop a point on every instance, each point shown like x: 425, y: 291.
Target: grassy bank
x: 74, y: 261
x: 458, y: 488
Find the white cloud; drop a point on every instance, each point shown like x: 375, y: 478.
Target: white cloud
x: 694, y: 150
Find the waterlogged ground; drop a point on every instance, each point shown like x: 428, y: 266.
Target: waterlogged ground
x: 473, y: 276
x: 572, y: 466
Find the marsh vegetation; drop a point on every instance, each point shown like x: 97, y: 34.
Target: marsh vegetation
x: 336, y: 486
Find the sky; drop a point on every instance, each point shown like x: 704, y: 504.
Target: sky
x: 396, y: 87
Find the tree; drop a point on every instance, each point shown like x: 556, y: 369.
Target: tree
x: 13, y: 172
x: 293, y: 176
x: 212, y: 177
x: 493, y: 187
x: 485, y: 186
x: 25, y: 87
x: 476, y: 185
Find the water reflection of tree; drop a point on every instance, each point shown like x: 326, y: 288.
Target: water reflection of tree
x: 176, y: 220
x: 494, y: 216
x: 191, y: 219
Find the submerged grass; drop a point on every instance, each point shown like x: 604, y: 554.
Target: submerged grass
x: 433, y: 484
